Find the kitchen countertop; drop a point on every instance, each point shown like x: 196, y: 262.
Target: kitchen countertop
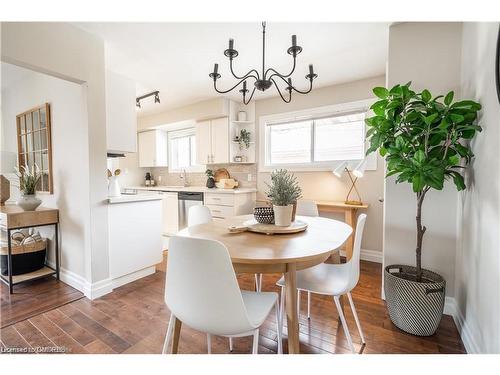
x: 125, y: 198
x: 201, y: 189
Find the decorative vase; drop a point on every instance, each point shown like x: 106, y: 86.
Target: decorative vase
x: 4, y: 189
x: 415, y: 307
x: 242, y: 116
x: 114, y: 187
x: 210, y: 183
x: 264, y: 215
x: 283, y: 215
x: 28, y: 202
x: 294, y: 211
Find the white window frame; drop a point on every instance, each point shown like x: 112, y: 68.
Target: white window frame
x: 309, y: 114
x: 177, y: 134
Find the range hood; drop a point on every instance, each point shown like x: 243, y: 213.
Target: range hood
x: 115, y: 155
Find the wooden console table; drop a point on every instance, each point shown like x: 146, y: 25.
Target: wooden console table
x: 12, y: 218
x: 350, y: 218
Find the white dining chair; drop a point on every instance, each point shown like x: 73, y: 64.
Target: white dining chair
x: 306, y: 207
x: 199, y: 215
x: 202, y: 292
x: 333, y: 280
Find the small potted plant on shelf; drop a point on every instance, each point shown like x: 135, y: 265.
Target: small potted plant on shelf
x: 28, y: 181
x: 243, y: 139
x: 425, y: 142
x: 284, y: 191
x: 210, y: 178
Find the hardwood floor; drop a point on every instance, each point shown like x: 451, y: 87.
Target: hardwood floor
x: 133, y: 319
x: 33, y: 298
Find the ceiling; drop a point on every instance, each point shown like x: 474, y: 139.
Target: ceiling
x: 176, y: 58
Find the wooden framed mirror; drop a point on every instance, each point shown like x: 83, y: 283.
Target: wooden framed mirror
x: 34, y: 146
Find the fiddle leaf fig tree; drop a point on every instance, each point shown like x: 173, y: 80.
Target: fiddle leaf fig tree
x: 424, y: 140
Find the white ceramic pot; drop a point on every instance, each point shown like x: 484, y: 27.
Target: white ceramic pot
x: 283, y: 215
x: 114, y: 187
x: 242, y: 116
x: 28, y: 202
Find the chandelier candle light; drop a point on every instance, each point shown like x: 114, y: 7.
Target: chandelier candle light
x: 266, y: 78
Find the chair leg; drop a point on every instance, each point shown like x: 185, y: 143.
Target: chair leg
x: 255, y: 346
x: 298, y: 303
x: 308, y: 305
x: 258, y: 282
x: 168, y: 335
x: 351, y: 302
x: 344, y: 323
x: 209, y: 343
x: 231, y: 344
x: 282, y: 308
x: 279, y: 327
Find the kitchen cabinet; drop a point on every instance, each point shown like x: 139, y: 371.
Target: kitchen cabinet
x: 224, y: 205
x: 212, y: 141
x: 135, y: 237
x: 153, y: 148
x: 170, y: 213
x: 121, y: 116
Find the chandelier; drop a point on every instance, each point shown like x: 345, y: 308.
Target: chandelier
x: 266, y: 78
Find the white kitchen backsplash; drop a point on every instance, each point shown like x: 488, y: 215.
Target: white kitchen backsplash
x: 239, y: 172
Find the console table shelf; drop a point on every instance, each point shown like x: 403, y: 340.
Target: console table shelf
x: 13, y: 218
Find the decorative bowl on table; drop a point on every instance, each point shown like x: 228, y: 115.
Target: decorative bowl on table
x: 264, y: 215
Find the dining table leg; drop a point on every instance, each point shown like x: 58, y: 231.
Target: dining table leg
x: 177, y: 334
x: 291, y: 308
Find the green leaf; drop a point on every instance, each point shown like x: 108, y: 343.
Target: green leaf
x: 456, y: 118
x: 449, y: 98
x: 381, y: 92
x: 459, y: 181
x: 382, y: 151
x: 419, y: 156
x: 430, y: 119
x: 418, y: 183
x: 454, y: 160
x: 426, y: 96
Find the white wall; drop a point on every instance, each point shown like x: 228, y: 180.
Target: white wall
x: 324, y: 185
x: 477, y: 282
x: 69, y: 153
x: 65, y: 51
x: 428, y: 54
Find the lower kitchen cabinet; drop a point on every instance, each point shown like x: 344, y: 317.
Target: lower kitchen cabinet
x: 225, y: 205
x: 170, y: 213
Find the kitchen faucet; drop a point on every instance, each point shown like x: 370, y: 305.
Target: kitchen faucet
x: 184, y: 178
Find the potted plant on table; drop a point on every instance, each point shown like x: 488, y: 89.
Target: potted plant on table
x: 284, y: 191
x: 425, y: 142
x: 28, y: 181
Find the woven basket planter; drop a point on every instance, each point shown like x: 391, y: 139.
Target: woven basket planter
x: 25, y: 258
x: 415, y: 307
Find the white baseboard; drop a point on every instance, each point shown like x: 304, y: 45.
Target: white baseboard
x: 368, y: 255
x: 100, y: 288
x: 451, y: 308
x: 133, y: 276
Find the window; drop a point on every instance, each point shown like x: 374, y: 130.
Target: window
x: 182, y: 149
x: 316, y: 141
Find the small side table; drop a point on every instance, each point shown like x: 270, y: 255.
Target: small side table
x: 12, y: 218
x: 349, y: 211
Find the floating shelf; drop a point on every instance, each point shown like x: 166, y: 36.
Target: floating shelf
x: 242, y: 122
x: 236, y: 143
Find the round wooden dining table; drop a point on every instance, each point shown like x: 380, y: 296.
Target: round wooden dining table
x: 279, y: 253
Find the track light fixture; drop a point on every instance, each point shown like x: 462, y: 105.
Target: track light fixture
x: 155, y: 93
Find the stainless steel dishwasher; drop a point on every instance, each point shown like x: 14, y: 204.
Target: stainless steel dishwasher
x: 187, y: 200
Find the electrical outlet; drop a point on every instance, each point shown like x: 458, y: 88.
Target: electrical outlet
x: 249, y: 177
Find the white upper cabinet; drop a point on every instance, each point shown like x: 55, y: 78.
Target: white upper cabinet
x: 153, y: 148
x: 212, y: 141
x: 121, y: 116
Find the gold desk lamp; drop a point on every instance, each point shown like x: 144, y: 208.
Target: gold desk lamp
x: 358, y: 172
